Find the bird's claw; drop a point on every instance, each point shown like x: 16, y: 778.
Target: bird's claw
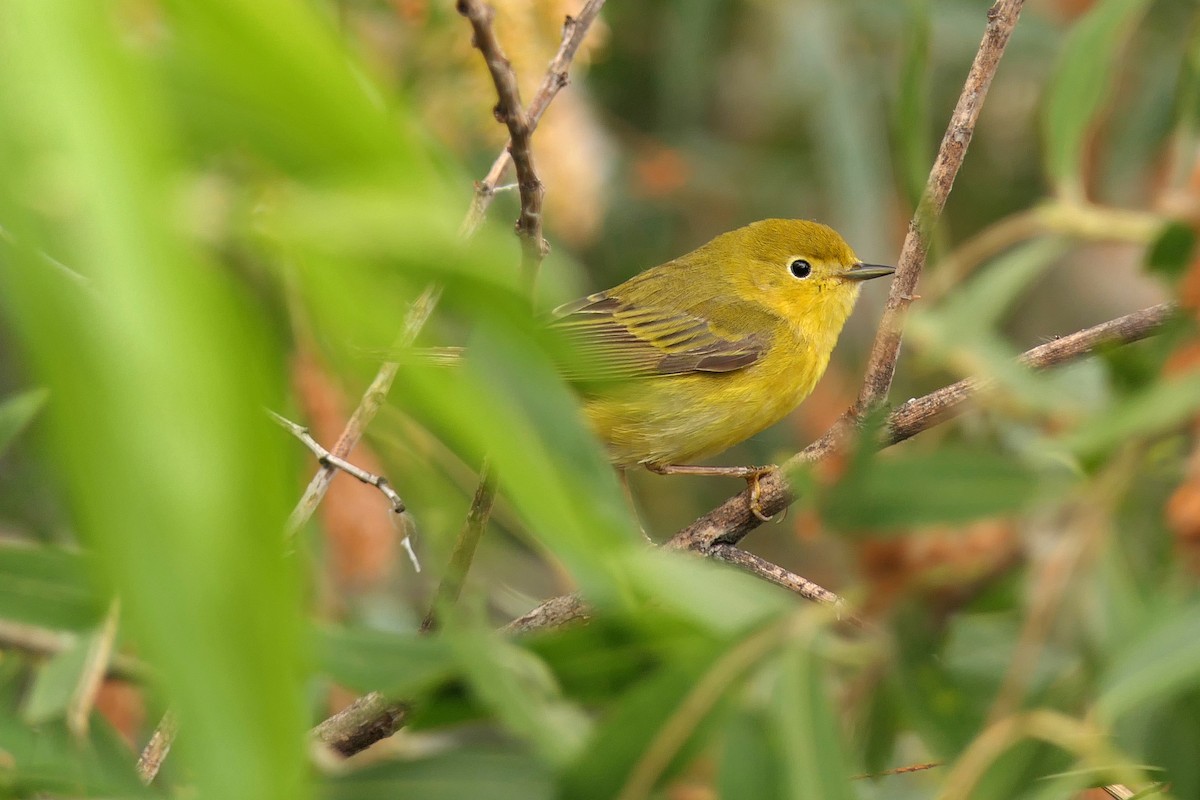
x: 756, y: 496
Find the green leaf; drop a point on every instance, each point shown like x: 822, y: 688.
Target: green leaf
x: 1082, y: 84
x: 750, y: 764
x: 48, y: 761
x: 467, y: 772
x: 1160, y: 407
x: 47, y: 586
x: 17, y: 412
x: 66, y: 685
x: 56, y: 683
x: 521, y: 691
x: 911, y: 121
x: 1171, y: 252
x: 660, y: 723
x: 811, y: 750
x: 949, y: 486
x: 1162, y: 662
x: 394, y: 664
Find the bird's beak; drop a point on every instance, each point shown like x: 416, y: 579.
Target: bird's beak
x: 864, y: 272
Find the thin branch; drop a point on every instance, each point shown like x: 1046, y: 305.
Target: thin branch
x: 328, y: 459
x: 557, y: 76
x: 372, y: 399
x: 881, y: 365
x: 555, y: 612
x: 156, y: 750
x: 510, y: 111
x: 464, y: 548
x: 361, y: 724
x: 899, y: 770
x: 773, y: 573
x: 916, y: 415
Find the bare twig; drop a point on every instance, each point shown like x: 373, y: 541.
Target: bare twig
x: 510, y: 111
x: 773, y: 573
x: 916, y: 415
x: 328, y: 459
x: 372, y: 399
x: 574, y: 31
x: 881, y: 365
x: 155, y: 751
x: 464, y: 547
x: 361, y: 724
x: 899, y: 770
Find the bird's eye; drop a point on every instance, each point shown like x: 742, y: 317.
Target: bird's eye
x: 800, y: 268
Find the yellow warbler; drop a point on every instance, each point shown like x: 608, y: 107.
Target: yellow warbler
x: 709, y: 349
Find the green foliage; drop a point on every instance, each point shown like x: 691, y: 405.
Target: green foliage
x: 1083, y: 83
x: 1172, y: 251
x: 47, y: 586
x: 17, y: 412
x: 195, y: 193
x: 878, y: 495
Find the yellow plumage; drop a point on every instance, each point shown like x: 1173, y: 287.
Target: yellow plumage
x: 707, y: 350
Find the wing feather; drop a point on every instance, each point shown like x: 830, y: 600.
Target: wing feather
x: 612, y: 339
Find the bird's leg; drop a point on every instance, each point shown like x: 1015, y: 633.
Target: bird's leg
x: 750, y: 474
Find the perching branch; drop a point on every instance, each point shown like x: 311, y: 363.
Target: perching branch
x: 510, y: 111
x: 881, y: 365
x: 574, y: 30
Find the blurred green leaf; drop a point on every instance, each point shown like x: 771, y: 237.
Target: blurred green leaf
x: 158, y: 376
x: 658, y: 724
x: 947, y: 486
x: 394, y: 664
x: 466, y: 772
x: 1082, y: 84
x: 521, y: 691
x: 1172, y: 251
x: 57, y: 681
x: 48, y: 761
x: 911, y: 123
x: 47, y: 586
x: 1164, y: 661
x: 811, y: 751
x: 17, y: 412
x: 962, y: 332
x: 1158, y: 408
x: 597, y: 661
x: 750, y: 764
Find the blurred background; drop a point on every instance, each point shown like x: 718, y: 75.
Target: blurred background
x: 216, y: 208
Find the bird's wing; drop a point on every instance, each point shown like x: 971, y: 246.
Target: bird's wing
x: 613, y: 340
